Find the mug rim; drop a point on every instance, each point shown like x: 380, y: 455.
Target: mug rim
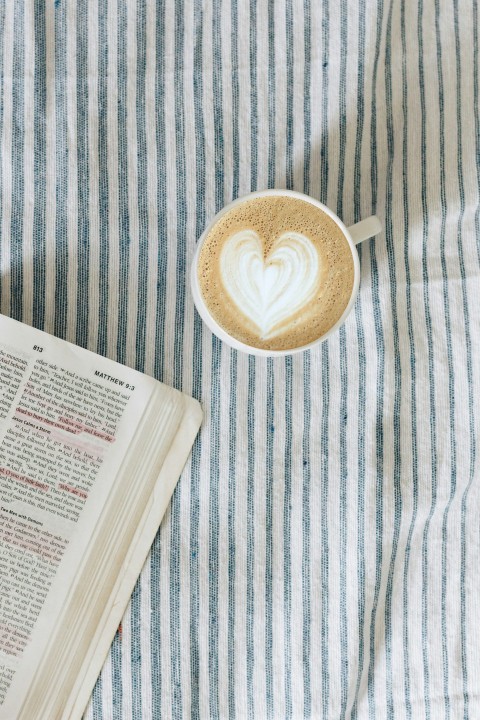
x: 212, y: 324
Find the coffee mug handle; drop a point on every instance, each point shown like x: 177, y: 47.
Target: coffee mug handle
x: 365, y: 229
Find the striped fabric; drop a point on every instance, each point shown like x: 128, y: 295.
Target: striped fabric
x: 320, y: 558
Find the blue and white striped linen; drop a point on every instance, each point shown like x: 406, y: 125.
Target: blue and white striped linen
x: 320, y: 556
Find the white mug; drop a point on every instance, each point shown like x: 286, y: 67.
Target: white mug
x: 354, y: 235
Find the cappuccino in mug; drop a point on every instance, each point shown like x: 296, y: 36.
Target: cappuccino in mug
x: 275, y: 272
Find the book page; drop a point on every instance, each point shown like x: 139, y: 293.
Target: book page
x: 67, y: 418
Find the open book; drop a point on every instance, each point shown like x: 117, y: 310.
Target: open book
x: 90, y: 452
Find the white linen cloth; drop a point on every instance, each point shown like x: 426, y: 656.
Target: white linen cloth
x: 320, y: 556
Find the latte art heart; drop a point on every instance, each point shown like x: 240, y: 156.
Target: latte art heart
x: 270, y: 291
x: 274, y: 272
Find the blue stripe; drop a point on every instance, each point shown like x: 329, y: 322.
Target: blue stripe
x: 324, y: 544
x: 197, y: 370
x: 307, y: 406
x: 361, y: 367
x: 307, y: 100
x: 181, y: 206
x: 218, y: 106
x: 380, y: 346
x: 123, y: 207
x: 214, y: 518
x: 306, y: 525
x: 175, y: 588
x: 18, y: 142
x: 250, y: 619
x: 136, y: 650
x: 361, y: 420
x: 342, y: 119
x: 156, y: 645
x: 287, y: 526
x: 413, y: 400
x: 324, y: 110
x: 194, y: 571
x: 235, y: 101
x: 324, y: 477
x: 269, y: 464
x: 39, y: 167
x: 156, y: 569
x: 343, y: 431
x: 451, y: 375
x: 142, y: 193
x: 215, y: 369
x: 83, y: 175
x: 397, y: 463
x: 428, y: 323
x: 180, y: 273
x: 161, y: 199
x: 103, y: 180
x: 253, y: 97
x: 97, y: 708
x: 232, y: 508
x: 61, y: 172
x: 271, y: 95
x: 289, y: 97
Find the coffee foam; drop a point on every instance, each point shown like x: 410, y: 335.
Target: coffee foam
x: 276, y: 272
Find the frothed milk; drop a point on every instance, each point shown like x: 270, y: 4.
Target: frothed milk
x: 276, y: 272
